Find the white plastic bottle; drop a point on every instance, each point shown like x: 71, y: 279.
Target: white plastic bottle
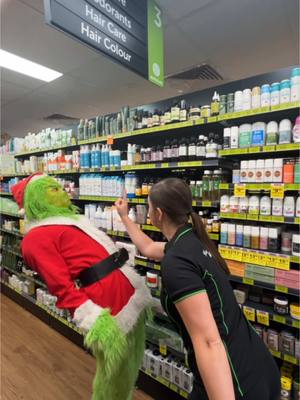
x: 289, y: 206
x: 234, y: 137
x: 298, y: 207
x: 265, y: 205
x: 277, y: 207
x: 132, y: 215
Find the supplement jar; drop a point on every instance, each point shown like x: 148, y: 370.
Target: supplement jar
x: 281, y: 305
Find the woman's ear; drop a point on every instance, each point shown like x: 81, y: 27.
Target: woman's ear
x: 159, y: 214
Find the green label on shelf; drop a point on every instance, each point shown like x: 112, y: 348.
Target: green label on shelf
x: 248, y: 281
x: 281, y: 289
x: 206, y: 203
x: 275, y: 353
x: 212, y: 119
x: 157, y: 267
x: 183, y: 394
x: 296, y: 323
x: 224, y: 186
x: 290, y: 359
x: 277, y: 219
x: 286, y: 106
x: 174, y: 388
x: 269, y: 148
x: 199, y: 121
x: 279, y: 318
x: 252, y: 217
x: 140, y: 262
x: 254, y: 150
x: 265, y: 218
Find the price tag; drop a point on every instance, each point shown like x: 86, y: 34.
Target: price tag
x: 281, y: 289
x: 163, y: 381
x: 277, y: 191
x: 157, y: 267
x: 283, y: 262
x: 286, y: 383
x: 265, y: 218
x: 224, y: 186
x: 237, y: 255
x: 248, y: 281
x: 183, y: 394
x: 290, y: 359
x: 254, y: 150
x: 279, y: 318
x: 297, y: 220
x: 206, y: 203
x: 223, y: 251
x: 263, y: 317
x: 296, y: 323
x: 249, y: 313
x: 277, y: 219
x: 251, y: 217
x: 275, y: 353
x: 163, y: 349
x: 212, y: 119
x: 174, y: 387
x: 268, y: 148
x: 140, y: 262
x: 110, y: 140
x: 240, y: 190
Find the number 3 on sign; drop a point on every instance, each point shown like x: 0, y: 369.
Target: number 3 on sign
x: 157, y: 20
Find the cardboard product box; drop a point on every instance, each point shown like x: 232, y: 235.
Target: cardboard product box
x: 257, y: 269
x: 259, y: 277
x: 292, y: 275
x: 287, y: 282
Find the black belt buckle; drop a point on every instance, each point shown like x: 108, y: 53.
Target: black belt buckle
x: 121, y: 257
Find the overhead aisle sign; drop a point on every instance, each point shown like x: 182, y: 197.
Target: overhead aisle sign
x: 128, y: 31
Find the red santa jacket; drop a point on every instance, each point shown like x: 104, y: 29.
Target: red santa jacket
x: 58, y: 248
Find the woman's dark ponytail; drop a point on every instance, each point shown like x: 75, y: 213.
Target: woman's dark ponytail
x: 200, y: 231
x: 174, y: 197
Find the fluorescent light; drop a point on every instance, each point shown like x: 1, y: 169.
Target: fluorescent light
x: 26, y: 67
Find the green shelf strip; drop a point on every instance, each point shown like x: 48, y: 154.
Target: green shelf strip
x: 166, y: 383
x: 147, y: 264
x: 11, y: 232
x: 260, y: 218
x: 43, y: 307
x: 5, y: 194
x: 3, y: 212
x: 255, y: 308
x: 263, y: 285
x: 285, y: 357
x: 261, y: 149
x: 170, y: 127
x: 22, y: 275
x: 261, y: 186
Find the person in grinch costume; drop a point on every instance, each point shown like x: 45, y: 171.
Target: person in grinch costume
x: 81, y: 265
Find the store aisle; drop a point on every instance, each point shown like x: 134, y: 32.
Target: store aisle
x: 38, y: 363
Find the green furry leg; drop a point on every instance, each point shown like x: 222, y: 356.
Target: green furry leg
x: 118, y: 357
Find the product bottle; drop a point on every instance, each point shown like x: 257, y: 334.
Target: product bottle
x: 231, y: 234
x: 265, y: 205
x: 297, y: 171
x: 272, y: 133
x: 275, y: 99
x: 224, y: 204
x: 247, y: 236
x: 243, y: 205
x: 265, y: 97
x: 166, y: 150
x: 224, y: 233
x: 216, y: 180
x: 207, y: 185
x: 215, y: 104
x: 155, y: 118
x: 175, y: 113
x: 212, y: 147
x: 183, y: 111
x: 201, y: 148
x: 260, y: 169
x: 289, y: 206
x: 86, y: 130
x: 244, y: 171
x: 273, y: 244
x: 285, y: 131
x: 245, y: 134
x: 277, y: 207
x: 288, y: 171
x: 251, y: 171
x: 199, y: 189
x: 234, y: 204
x: 296, y: 130
x: 286, y: 242
x: 234, y: 137
x: 269, y: 170
x: 167, y: 116
x: 226, y: 138
x: 183, y: 150
x: 215, y: 224
x: 278, y: 170
x: 263, y: 241
x: 132, y: 215
x: 239, y: 235
x: 192, y: 149
x: 255, y: 237
x: 80, y: 135
x: 254, y: 205
x: 258, y: 134
x: 298, y: 207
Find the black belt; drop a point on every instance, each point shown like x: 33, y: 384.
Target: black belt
x: 102, y: 269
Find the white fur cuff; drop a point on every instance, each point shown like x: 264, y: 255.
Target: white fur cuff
x: 85, y: 315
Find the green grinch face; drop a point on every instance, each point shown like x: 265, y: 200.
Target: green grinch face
x: 56, y: 196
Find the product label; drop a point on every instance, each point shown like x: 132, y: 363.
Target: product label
x: 249, y: 313
x: 240, y: 190
x: 263, y: 317
x: 258, y: 137
x: 277, y: 191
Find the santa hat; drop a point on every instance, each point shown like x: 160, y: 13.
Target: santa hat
x: 18, y: 190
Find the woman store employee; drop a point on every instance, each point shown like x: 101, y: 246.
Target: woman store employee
x: 227, y: 357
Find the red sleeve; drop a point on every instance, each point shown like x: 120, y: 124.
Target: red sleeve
x: 41, y: 253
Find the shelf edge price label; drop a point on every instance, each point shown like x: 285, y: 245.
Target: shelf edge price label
x: 290, y: 359
x: 163, y: 349
x: 282, y: 289
x: 248, y: 281
x: 277, y: 191
x: 296, y: 323
x: 263, y: 317
x: 240, y: 190
x: 249, y: 313
x: 279, y: 318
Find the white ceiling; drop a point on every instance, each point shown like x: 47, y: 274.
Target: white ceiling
x: 239, y: 38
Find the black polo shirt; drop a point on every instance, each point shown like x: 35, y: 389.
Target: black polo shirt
x: 188, y: 268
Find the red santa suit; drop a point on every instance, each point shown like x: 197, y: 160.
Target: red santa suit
x: 59, y: 248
